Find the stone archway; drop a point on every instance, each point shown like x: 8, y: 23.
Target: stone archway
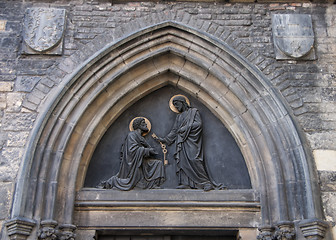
x: 80, y: 111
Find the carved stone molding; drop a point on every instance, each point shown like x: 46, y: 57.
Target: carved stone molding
x: 284, y: 231
x: 293, y: 36
x: 313, y: 229
x: 48, y: 230
x: 43, y: 31
x: 266, y: 233
x: 19, y: 228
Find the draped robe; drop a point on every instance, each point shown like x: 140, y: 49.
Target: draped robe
x: 136, y: 168
x: 189, y: 157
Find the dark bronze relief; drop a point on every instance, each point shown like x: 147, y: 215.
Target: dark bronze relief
x: 138, y: 168
x: 187, y: 135
x: 183, y: 146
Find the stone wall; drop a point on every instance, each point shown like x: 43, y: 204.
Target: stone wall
x: 309, y: 87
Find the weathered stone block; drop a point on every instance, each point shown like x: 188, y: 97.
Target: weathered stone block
x: 322, y: 139
x: 325, y: 159
x: 331, y: 20
x: 34, y: 99
x: 329, y: 202
x: 18, y: 121
x: 10, y: 162
x: 3, y: 25
x: 17, y: 139
x: 14, y: 102
x: 6, y: 192
x: 28, y: 106
x: 26, y: 83
x: 12, y: 27
x: 3, y: 101
x: 247, y: 234
x: 6, y: 86
x: 328, y: 180
x: 329, y: 94
x: 85, y: 234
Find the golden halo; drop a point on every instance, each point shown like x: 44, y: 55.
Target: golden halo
x: 171, y: 105
x: 149, y: 125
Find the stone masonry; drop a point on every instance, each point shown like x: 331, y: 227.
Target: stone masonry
x: 309, y: 86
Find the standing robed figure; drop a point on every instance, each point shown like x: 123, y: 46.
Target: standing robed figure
x: 187, y: 134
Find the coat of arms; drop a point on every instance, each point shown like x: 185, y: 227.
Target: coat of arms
x: 43, y: 30
x: 293, y: 36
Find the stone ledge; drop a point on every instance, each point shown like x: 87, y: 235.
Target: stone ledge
x: 156, y: 218
x: 167, y: 195
x: 168, y: 200
x: 208, y: 231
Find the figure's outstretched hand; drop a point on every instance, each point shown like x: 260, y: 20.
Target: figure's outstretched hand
x: 152, y: 151
x: 159, y: 139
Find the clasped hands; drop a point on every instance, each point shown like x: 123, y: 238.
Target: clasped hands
x: 163, y: 140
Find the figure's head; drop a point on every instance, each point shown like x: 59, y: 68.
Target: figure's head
x: 180, y: 103
x: 140, y: 123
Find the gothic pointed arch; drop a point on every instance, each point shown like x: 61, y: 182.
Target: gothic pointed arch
x: 80, y: 110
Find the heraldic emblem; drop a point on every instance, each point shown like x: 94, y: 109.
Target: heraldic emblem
x: 43, y: 30
x: 293, y: 36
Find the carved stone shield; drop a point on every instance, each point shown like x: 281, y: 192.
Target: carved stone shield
x: 293, y: 35
x: 43, y: 28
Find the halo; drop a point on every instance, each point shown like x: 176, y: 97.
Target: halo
x: 171, y: 105
x: 149, y: 125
